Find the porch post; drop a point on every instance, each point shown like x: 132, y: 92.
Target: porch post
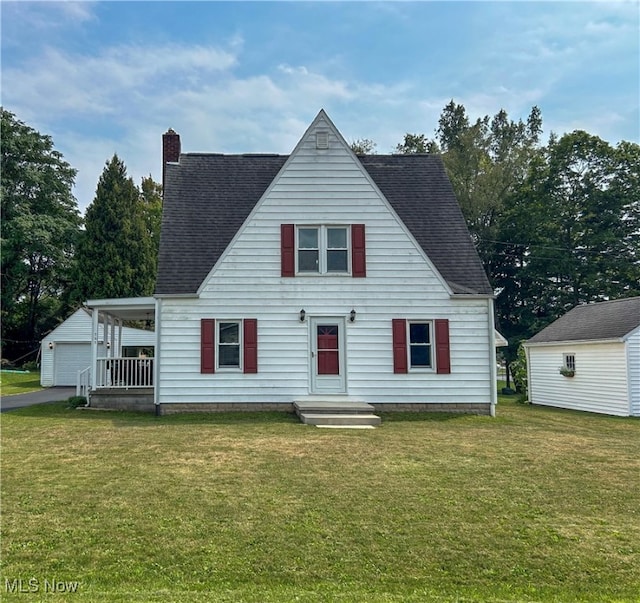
x: 156, y: 355
x: 120, y: 337
x: 113, y: 337
x: 94, y: 348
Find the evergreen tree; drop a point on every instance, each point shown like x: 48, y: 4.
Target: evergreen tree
x: 115, y: 256
x: 151, y: 197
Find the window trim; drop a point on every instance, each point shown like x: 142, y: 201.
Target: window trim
x: 431, y: 345
x: 568, y: 364
x: 323, y: 249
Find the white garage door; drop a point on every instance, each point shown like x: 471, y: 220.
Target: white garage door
x: 69, y: 358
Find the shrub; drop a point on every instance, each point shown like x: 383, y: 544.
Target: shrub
x: 519, y: 372
x: 76, y: 401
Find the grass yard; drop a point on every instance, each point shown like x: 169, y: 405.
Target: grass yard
x: 537, y: 504
x: 19, y: 383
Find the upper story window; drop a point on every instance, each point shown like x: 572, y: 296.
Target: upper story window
x: 323, y: 249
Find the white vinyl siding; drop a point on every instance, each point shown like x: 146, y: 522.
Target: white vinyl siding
x: 327, y: 187
x: 600, y: 381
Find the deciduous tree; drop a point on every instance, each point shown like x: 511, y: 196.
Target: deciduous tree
x: 40, y: 226
x: 363, y: 146
x: 417, y: 143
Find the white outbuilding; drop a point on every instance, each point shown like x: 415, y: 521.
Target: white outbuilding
x: 67, y: 349
x: 589, y: 359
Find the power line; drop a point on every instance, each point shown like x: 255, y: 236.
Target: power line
x: 547, y: 247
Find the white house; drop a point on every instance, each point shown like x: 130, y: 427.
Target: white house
x: 67, y: 349
x: 321, y: 273
x: 321, y: 276
x: 589, y: 359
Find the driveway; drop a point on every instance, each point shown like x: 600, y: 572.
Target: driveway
x: 51, y: 394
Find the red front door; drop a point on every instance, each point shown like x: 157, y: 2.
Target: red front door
x: 328, y: 349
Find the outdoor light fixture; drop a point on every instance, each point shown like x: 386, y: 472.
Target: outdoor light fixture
x: 51, y: 345
x: 302, y: 315
x: 108, y: 345
x: 352, y: 315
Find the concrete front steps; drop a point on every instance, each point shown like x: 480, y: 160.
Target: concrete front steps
x: 329, y: 411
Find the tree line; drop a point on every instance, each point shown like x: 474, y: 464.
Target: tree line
x: 53, y: 259
x: 555, y: 224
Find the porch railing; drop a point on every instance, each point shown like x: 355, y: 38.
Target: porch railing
x: 83, y: 383
x: 124, y: 373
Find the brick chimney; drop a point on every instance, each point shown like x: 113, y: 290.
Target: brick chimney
x: 170, y: 150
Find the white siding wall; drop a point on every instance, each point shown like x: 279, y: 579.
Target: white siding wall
x: 399, y: 284
x: 77, y: 328
x: 633, y: 357
x: 599, y: 385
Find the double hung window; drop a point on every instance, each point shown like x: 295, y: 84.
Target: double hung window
x: 421, y: 345
x: 229, y: 344
x: 323, y: 249
x: 420, y: 355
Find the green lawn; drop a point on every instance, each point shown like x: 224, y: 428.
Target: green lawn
x: 537, y: 504
x: 19, y: 383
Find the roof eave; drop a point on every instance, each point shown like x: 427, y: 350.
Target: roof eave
x: 566, y: 342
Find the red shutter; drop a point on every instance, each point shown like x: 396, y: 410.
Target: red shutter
x: 399, y: 329
x: 443, y: 356
x: 250, y: 344
x: 358, y: 251
x: 208, y: 345
x: 287, y: 250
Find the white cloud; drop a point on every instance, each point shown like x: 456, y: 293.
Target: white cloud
x: 74, y: 11
x: 43, y: 17
x: 60, y: 82
x: 126, y: 96
x: 123, y: 97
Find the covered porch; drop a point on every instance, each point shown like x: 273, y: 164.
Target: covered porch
x: 116, y: 372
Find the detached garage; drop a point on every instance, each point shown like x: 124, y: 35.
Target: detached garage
x: 589, y: 359
x: 67, y: 349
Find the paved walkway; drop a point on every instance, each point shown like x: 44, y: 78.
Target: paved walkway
x: 50, y: 394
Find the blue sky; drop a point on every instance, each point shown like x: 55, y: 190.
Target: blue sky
x: 233, y: 77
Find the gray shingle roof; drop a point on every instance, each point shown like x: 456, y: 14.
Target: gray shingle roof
x: 206, y: 200
x: 208, y: 197
x: 604, y: 320
x: 419, y: 190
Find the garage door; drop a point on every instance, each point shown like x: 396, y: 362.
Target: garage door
x: 68, y: 360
